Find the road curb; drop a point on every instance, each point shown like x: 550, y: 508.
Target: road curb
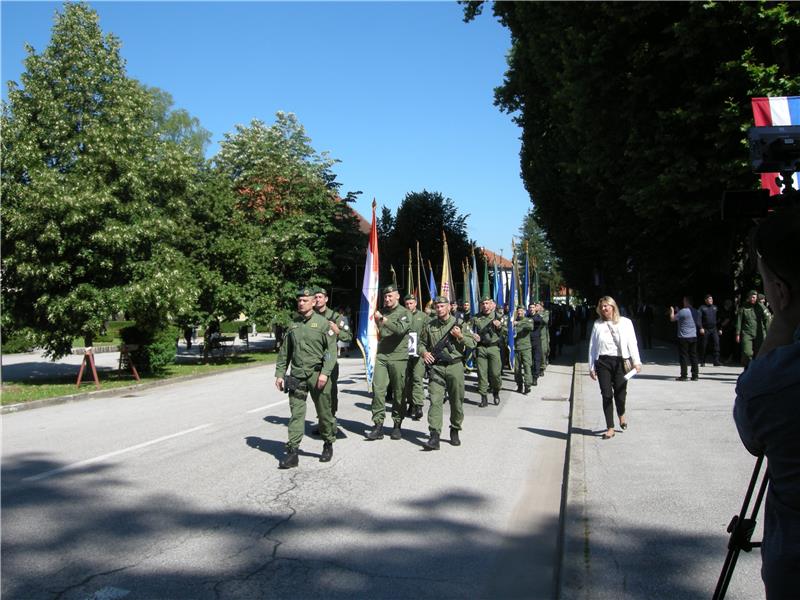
x: 13, y: 408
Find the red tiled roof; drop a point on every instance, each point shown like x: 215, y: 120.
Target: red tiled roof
x: 492, y: 257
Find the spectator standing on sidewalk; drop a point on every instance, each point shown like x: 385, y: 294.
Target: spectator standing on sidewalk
x: 613, y: 339
x: 767, y: 409
x: 709, y: 330
x: 688, y: 320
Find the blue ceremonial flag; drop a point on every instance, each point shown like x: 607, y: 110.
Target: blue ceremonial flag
x: 498, y: 287
x: 473, y: 287
x: 512, y: 297
x: 367, y: 328
x: 431, y: 282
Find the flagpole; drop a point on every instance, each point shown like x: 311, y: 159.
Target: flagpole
x: 419, y: 280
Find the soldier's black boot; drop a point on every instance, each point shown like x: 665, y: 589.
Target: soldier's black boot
x: 454, y: 439
x: 535, y: 381
x: 417, y: 412
x: 376, y: 433
x: 433, y: 441
x: 527, y: 390
x: 327, y: 452
x: 396, y: 435
x: 290, y: 460
x: 484, y: 402
x: 496, y: 398
x: 519, y: 389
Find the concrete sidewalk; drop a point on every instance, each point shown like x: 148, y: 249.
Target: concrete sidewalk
x: 647, y: 511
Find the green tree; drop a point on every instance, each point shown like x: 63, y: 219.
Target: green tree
x: 634, y: 120
x: 176, y: 124
x: 286, y: 190
x: 540, y: 251
x: 89, y: 194
x: 424, y: 216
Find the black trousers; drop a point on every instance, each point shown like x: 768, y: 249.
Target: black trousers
x: 613, y: 386
x: 711, y: 335
x: 536, y: 351
x: 687, y: 353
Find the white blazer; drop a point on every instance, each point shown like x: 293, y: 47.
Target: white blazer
x: 627, y: 340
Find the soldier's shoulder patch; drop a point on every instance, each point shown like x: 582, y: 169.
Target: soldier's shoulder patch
x: 313, y: 325
x: 330, y: 331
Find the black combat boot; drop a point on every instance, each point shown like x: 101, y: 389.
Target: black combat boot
x: 327, y: 452
x: 496, y: 398
x: 527, y: 390
x: 454, y: 439
x: 484, y: 402
x: 433, y: 441
x: 519, y: 389
x: 376, y: 433
x: 535, y: 381
x: 290, y: 460
x: 396, y: 435
x: 417, y: 412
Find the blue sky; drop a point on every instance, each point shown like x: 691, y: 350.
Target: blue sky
x: 400, y: 92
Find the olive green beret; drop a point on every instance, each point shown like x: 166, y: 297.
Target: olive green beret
x: 305, y: 291
x: 441, y: 300
x: 485, y: 298
x: 321, y: 290
x: 409, y: 297
x: 390, y: 288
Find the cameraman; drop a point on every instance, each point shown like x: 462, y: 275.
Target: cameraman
x: 767, y: 409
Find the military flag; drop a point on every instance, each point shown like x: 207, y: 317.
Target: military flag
x: 367, y: 329
x: 431, y: 282
x: 448, y: 288
x: 473, y: 287
x: 485, y: 281
x: 774, y: 112
x: 512, y: 298
x: 498, y: 287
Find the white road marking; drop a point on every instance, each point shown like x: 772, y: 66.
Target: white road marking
x: 103, y: 457
x: 260, y: 408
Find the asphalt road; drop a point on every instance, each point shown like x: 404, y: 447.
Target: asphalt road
x: 174, y: 492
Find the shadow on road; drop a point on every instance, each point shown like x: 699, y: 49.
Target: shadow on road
x: 559, y: 435
x: 88, y: 539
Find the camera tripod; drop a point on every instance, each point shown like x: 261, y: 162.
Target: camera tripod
x: 741, y: 529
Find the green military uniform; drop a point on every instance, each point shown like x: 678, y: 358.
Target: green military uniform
x: 449, y: 377
x: 345, y: 335
x: 391, y: 362
x: 310, y: 349
x: 523, y: 354
x: 545, y: 334
x: 752, y: 321
x: 415, y: 371
x: 488, y: 359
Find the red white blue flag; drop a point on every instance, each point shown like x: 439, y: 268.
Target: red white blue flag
x: 367, y: 337
x: 774, y: 112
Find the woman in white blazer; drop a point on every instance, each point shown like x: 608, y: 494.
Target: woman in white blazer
x: 613, y: 339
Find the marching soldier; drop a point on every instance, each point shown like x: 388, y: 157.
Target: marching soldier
x: 751, y: 327
x: 487, y: 330
x: 341, y: 330
x: 391, y: 362
x: 523, y: 327
x: 442, y: 345
x: 544, y: 334
x: 415, y: 372
x: 309, y: 352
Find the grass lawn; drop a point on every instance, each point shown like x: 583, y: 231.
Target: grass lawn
x: 16, y: 392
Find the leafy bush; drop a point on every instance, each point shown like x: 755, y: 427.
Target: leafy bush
x: 156, y: 348
x: 18, y: 341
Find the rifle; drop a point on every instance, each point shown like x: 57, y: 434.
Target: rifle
x: 483, y: 334
x: 445, y: 343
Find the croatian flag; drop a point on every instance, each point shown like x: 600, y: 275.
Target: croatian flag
x: 367, y: 330
x: 775, y: 112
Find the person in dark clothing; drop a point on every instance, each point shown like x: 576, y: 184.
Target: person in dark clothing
x: 709, y: 331
x: 688, y: 324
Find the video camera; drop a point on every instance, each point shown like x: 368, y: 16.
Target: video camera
x: 772, y: 150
